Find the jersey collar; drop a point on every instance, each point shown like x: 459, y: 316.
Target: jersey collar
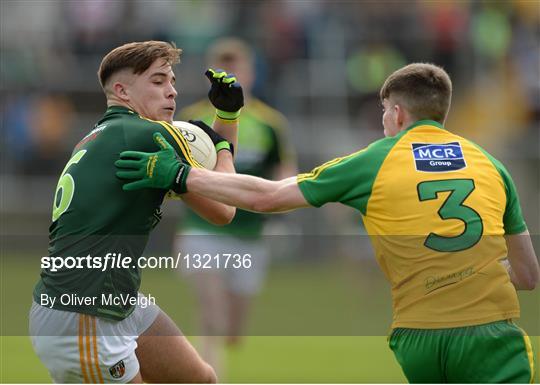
x: 425, y: 122
x: 119, y: 110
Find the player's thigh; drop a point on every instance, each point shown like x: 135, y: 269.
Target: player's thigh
x: 165, y: 355
x: 498, y: 352
x: 418, y: 355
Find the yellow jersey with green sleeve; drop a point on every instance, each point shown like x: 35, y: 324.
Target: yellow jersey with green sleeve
x: 436, y: 207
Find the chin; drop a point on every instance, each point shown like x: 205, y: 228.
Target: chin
x: 168, y: 117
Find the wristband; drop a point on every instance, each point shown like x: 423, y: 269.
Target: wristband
x: 224, y: 145
x: 179, y: 184
x: 227, y: 116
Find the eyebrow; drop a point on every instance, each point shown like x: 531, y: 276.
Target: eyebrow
x: 163, y: 74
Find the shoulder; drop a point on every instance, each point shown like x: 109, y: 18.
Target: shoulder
x: 139, y: 130
x: 138, y: 133
x: 494, y: 161
x: 135, y: 124
x: 139, y: 127
x: 135, y: 130
x: 171, y: 133
x: 356, y: 162
x: 378, y: 150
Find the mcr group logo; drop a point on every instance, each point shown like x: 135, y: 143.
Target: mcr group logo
x: 440, y: 157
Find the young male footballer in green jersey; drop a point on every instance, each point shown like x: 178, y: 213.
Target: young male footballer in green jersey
x: 88, y: 322
x: 443, y: 216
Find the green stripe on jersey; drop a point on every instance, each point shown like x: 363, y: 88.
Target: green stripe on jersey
x: 513, y: 218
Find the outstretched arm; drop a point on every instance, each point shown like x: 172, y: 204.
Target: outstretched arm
x: 164, y: 171
x: 247, y: 192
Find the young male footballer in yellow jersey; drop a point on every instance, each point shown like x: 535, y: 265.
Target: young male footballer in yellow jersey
x: 88, y: 323
x: 443, y: 216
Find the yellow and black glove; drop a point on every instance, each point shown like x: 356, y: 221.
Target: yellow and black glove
x: 225, y: 94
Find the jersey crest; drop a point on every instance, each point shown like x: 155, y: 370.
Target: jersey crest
x: 118, y: 370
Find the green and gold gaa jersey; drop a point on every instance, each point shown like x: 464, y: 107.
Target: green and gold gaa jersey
x: 262, y: 145
x: 92, y: 216
x: 436, y: 207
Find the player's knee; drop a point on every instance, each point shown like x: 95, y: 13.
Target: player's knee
x: 212, y: 377
x: 199, y: 374
x: 207, y: 375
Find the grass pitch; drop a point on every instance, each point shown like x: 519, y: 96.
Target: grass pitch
x: 332, y: 319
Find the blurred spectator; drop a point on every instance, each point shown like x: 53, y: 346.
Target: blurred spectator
x: 94, y: 24
x: 368, y: 67
x: 225, y: 294
x: 447, y: 23
x: 50, y: 122
x: 491, y: 34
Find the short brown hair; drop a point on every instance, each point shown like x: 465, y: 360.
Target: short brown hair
x: 425, y: 90
x: 138, y: 56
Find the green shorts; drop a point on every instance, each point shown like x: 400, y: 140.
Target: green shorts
x: 497, y: 352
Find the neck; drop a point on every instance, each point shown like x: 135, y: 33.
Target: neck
x: 114, y: 101
x: 406, y: 124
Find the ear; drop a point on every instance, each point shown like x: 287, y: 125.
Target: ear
x: 400, y: 116
x: 120, y: 91
x: 397, y: 115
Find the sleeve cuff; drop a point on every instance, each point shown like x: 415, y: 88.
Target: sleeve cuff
x: 305, y: 191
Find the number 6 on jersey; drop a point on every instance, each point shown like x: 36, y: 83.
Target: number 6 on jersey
x: 66, y: 184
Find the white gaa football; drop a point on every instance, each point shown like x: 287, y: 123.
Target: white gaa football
x: 202, y: 148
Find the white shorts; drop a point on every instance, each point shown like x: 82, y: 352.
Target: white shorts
x: 243, y: 280
x: 80, y: 348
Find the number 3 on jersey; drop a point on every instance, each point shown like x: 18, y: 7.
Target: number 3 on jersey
x: 453, y: 208
x: 65, y: 188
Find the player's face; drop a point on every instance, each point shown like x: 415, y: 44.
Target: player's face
x: 390, y: 118
x: 152, y: 93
